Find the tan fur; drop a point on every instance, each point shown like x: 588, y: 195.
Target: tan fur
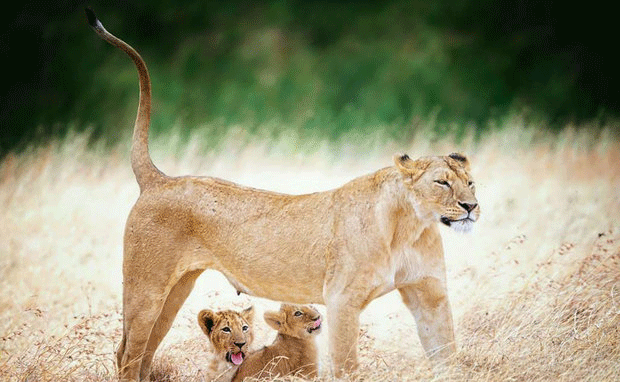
x: 294, y: 350
x: 341, y: 248
x: 229, y: 332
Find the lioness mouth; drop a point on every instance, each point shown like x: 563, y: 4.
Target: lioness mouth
x: 459, y: 225
x: 445, y: 221
x: 235, y: 358
x: 449, y: 222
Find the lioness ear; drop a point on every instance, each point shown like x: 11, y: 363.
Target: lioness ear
x: 410, y: 167
x: 402, y: 161
x: 248, y: 314
x: 273, y: 319
x: 461, y: 159
x: 206, y: 320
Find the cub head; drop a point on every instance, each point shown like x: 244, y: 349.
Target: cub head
x: 299, y: 321
x: 229, y: 332
x: 443, y: 189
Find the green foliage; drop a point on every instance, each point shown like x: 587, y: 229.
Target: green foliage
x: 321, y: 68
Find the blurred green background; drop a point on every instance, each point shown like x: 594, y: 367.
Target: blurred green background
x: 323, y: 68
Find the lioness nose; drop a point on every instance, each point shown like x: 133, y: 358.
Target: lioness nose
x: 469, y: 207
x: 239, y: 344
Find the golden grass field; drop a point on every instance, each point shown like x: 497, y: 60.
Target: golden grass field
x: 535, y: 288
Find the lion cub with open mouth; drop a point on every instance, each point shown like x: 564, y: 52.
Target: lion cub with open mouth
x: 230, y: 334
x: 294, y: 350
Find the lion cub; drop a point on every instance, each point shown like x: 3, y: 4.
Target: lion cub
x: 294, y: 350
x: 230, y: 334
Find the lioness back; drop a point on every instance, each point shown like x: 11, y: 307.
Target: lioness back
x: 230, y: 334
x: 294, y: 350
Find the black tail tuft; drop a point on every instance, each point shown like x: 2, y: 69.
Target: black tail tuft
x: 90, y: 14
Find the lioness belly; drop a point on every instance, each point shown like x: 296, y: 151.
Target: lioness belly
x: 290, y: 286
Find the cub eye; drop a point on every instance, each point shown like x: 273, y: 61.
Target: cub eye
x: 442, y: 183
x: 470, y: 183
x: 298, y: 313
x: 226, y: 329
x: 245, y: 328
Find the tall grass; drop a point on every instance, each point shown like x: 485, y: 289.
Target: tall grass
x: 534, y: 288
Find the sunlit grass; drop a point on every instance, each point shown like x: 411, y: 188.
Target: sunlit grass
x: 534, y: 289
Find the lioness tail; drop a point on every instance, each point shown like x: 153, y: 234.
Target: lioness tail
x: 145, y: 171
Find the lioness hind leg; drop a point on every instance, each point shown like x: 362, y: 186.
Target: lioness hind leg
x: 428, y: 302
x: 174, y: 301
x: 140, y: 312
x: 120, y: 351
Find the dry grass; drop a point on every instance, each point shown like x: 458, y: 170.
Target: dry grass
x: 535, y: 288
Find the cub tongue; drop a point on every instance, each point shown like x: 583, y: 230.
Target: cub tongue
x: 237, y: 358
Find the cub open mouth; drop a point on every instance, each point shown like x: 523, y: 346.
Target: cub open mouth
x: 235, y: 358
x: 316, y: 326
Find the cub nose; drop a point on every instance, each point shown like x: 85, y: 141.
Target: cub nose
x: 469, y: 207
x: 239, y: 344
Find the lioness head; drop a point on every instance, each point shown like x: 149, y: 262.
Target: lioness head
x: 442, y: 188
x: 299, y: 321
x: 229, y: 332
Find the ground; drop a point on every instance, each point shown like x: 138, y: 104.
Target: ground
x: 535, y: 288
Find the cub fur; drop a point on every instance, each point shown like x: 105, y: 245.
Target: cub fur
x: 294, y: 350
x: 230, y: 334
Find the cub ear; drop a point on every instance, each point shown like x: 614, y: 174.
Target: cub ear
x: 206, y: 320
x: 410, y: 167
x: 273, y: 319
x: 461, y: 158
x: 284, y: 307
x: 248, y: 314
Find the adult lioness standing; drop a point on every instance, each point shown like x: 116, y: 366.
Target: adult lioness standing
x: 342, y: 248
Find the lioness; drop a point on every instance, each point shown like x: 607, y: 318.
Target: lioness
x: 230, y: 334
x: 294, y: 350
x: 342, y: 248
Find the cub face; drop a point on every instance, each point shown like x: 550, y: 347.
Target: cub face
x: 301, y: 321
x: 442, y: 189
x: 229, y: 332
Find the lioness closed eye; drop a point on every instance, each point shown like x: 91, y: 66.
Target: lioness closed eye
x: 342, y: 248
x: 294, y: 350
x: 230, y: 334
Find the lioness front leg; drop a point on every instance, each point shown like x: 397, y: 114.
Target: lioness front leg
x: 343, y: 321
x: 428, y: 302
